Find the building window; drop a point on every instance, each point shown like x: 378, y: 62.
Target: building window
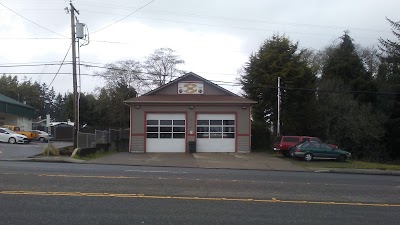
x: 215, y: 129
x: 166, y: 129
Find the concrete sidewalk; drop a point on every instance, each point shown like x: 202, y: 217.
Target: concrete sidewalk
x: 250, y: 161
x: 259, y: 161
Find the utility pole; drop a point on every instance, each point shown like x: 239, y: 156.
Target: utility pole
x: 278, y: 125
x: 74, y: 78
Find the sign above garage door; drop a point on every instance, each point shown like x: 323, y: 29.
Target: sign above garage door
x: 191, y: 87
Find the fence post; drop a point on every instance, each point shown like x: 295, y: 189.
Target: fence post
x: 77, y: 139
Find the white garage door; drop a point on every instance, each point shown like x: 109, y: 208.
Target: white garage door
x: 215, y: 133
x: 165, y: 132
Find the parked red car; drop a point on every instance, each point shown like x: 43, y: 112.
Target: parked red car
x: 283, y: 143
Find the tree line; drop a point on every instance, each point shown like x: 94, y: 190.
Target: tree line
x: 345, y: 94
x: 105, y: 107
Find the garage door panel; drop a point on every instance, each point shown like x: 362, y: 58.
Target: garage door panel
x: 216, y: 117
x: 215, y: 145
x: 166, y: 116
x: 165, y: 145
x: 216, y: 133
x: 165, y: 132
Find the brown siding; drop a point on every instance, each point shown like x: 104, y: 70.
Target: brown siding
x: 137, y: 144
x: 243, y: 144
x: 137, y: 120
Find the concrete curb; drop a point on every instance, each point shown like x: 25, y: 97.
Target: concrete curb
x: 359, y: 171
x: 315, y: 170
x: 45, y: 159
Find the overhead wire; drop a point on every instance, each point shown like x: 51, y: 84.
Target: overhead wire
x: 41, y: 73
x: 227, y: 83
x: 31, y: 20
x: 219, y: 18
x: 124, y: 17
x: 62, y: 63
x: 243, y: 20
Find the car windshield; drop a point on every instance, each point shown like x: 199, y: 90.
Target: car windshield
x: 9, y: 131
x: 316, y: 139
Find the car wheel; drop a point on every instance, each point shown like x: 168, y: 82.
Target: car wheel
x: 12, y: 140
x: 308, y: 157
x: 342, y: 158
x: 41, y: 139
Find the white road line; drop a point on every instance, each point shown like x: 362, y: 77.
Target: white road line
x: 152, y: 171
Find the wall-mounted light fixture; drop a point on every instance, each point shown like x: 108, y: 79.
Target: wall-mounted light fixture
x: 137, y: 106
x: 244, y: 107
x: 191, y: 107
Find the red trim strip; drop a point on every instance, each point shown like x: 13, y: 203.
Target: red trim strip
x: 249, y: 115
x: 236, y: 131
x: 130, y: 129
x: 144, y: 130
x: 186, y: 132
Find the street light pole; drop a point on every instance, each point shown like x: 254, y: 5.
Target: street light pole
x: 278, y: 125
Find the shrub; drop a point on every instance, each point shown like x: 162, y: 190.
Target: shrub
x: 51, y: 149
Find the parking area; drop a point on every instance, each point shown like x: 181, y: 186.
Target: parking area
x: 23, y: 151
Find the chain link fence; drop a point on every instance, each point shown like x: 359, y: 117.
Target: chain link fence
x: 117, y: 139
x: 86, y: 140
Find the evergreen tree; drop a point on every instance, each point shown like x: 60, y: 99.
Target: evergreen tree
x: 279, y: 57
x: 58, y: 107
x: 343, y: 64
x: 389, y: 81
x: 9, y: 86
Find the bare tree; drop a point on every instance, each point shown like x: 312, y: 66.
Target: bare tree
x: 161, y: 66
x: 370, y: 58
x: 127, y: 72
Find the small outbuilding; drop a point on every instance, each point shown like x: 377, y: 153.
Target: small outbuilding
x: 13, y: 112
x: 190, y: 113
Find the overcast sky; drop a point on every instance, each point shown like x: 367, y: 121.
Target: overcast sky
x: 214, y: 37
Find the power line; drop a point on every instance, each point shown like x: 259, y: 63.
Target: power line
x: 233, y: 84
x: 31, y: 20
x: 238, y: 27
x: 31, y: 38
x: 273, y: 87
x: 60, y: 66
x: 237, y: 19
x: 35, y: 73
x: 32, y: 65
x: 50, y: 38
x: 40, y: 76
x: 125, y: 16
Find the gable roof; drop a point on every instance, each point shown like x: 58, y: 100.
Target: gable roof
x: 181, y: 99
x: 187, y: 75
x: 152, y: 97
x: 8, y: 100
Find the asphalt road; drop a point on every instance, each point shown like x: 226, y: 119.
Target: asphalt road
x: 21, y: 151
x: 54, y: 193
